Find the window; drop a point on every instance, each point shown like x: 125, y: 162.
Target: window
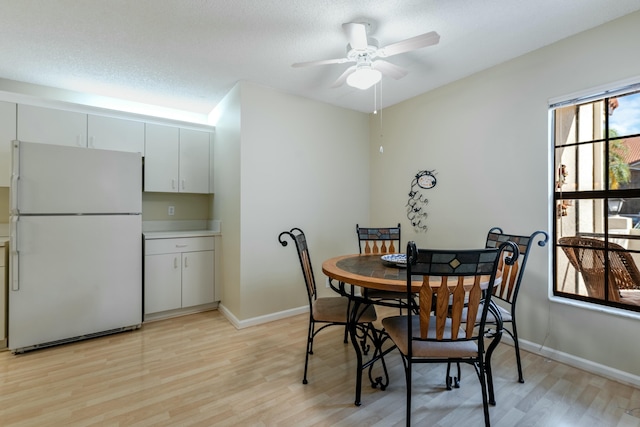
x: 597, y: 199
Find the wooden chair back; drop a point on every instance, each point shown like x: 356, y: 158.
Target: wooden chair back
x: 460, y: 273
x: 381, y: 240
x: 512, y: 275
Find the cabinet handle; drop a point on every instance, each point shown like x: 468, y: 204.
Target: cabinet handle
x: 181, y: 246
x: 185, y: 262
x: 173, y: 184
x: 183, y: 184
x: 175, y: 262
x: 91, y: 142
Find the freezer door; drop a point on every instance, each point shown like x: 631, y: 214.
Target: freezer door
x: 75, y: 276
x: 55, y: 179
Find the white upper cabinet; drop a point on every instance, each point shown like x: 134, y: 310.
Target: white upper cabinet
x: 176, y: 160
x: 161, y: 158
x: 194, y: 161
x: 109, y: 133
x: 7, y: 134
x: 51, y: 126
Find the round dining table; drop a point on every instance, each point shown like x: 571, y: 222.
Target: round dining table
x: 370, y: 271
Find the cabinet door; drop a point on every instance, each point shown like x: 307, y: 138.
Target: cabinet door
x: 162, y: 288
x: 109, y: 133
x: 197, y: 278
x: 161, y: 158
x: 194, y: 161
x: 7, y: 134
x: 51, y: 126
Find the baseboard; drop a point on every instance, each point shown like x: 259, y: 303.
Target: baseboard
x: 240, y: 324
x: 179, y: 312
x: 580, y: 363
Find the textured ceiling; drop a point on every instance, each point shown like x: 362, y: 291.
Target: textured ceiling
x: 187, y: 54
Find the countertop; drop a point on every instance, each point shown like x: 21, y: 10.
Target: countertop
x: 148, y: 235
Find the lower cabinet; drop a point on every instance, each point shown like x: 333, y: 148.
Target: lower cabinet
x: 179, y: 273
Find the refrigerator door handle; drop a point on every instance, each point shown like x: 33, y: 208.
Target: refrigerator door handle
x: 15, y: 260
x: 15, y: 176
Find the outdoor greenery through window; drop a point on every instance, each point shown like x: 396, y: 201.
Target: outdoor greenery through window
x: 597, y: 199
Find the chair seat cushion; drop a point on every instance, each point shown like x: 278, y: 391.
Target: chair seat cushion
x: 396, y: 327
x: 491, y: 319
x: 334, y: 310
x: 630, y: 296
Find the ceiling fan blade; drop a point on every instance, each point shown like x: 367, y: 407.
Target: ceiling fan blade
x: 417, y: 42
x: 356, y: 33
x: 343, y: 77
x: 388, y: 69
x: 321, y: 62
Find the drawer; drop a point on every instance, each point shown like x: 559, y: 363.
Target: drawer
x: 185, y: 244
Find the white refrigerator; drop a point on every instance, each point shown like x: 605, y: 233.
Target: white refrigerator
x: 75, y: 244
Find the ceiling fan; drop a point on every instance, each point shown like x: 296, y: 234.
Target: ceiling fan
x: 364, y: 51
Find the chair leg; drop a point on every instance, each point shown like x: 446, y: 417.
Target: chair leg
x: 309, y: 350
x: 453, y: 381
x: 485, y: 401
x: 516, y: 345
x: 407, y: 373
x: 346, y: 326
x: 487, y: 364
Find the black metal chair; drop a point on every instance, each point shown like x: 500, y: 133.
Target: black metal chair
x: 382, y: 241
x: 512, y: 275
x: 443, y: 337
x: 506, y: 291
x: 324, y: 311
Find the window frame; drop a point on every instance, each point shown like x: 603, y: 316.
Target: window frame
x: 601, y: 195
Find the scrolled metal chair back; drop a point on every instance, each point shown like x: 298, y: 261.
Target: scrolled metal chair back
x: 298, y: 237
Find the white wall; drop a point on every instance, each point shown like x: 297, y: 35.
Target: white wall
x: 301, y: 164
x: 226, y: 199
x: 487, y: 138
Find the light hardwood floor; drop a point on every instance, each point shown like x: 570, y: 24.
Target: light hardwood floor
x: 200, y: 370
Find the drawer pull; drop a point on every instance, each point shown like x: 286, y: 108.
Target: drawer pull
x: 181, y: 245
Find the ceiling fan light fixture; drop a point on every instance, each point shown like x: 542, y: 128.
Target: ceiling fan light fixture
x: 363, y: 78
